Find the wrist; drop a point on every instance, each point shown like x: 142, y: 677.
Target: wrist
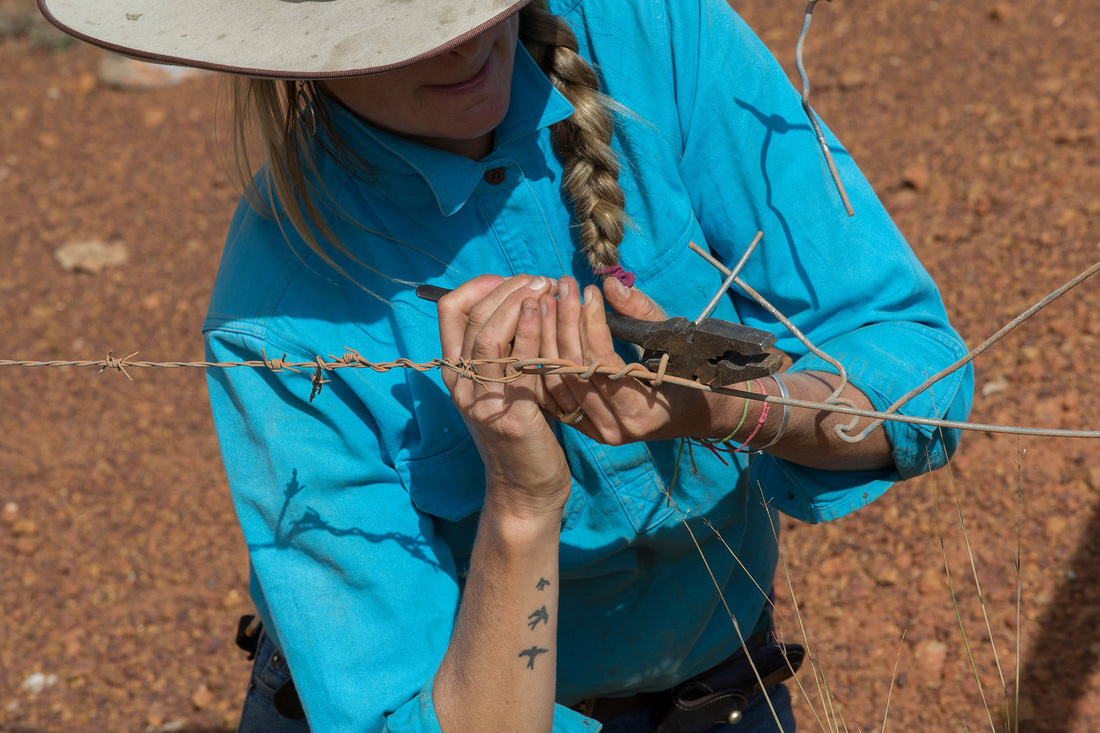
x: 751, y: 424
x: 507, y: 502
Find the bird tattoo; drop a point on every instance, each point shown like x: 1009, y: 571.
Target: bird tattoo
x: 539, y: 615
x: 543, y: 582
x: 531, y: 654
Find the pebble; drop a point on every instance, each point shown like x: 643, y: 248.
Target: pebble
x: 997, y: 385
x: 201, y: 697
x: 38, y: 682
x: 91, y: 256
x: 930, y: 656
x: 916, y: 177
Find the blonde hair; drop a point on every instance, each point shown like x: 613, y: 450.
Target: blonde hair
x: 273, y: 115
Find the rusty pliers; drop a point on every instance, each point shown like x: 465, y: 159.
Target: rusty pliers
x: 712, y: 352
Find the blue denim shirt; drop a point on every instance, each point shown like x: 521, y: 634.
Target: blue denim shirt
x: 359, y: 509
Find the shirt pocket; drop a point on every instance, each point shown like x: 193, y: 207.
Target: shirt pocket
x: 631, y: 474
x: 681, y: 281
x: 451, y: 485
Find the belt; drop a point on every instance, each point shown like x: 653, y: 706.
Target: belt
x: 718, y: 695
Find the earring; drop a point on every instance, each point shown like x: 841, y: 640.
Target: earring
x: 307, y: 116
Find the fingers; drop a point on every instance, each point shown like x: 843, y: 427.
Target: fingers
x: 631, y: 301
x: 454, y: 311
x: 490, y: 318
x: 575, y: 344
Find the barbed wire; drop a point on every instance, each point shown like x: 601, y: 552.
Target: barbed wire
x: 468, y: 369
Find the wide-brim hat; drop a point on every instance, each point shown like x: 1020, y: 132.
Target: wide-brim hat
x: 290, y: 39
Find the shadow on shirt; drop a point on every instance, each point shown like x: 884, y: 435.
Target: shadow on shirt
x: 310, y: 520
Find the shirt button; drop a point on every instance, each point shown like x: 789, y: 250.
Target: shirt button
x: 495, y: 176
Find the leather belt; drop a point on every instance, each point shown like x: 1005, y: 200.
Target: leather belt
x: 718, y: 695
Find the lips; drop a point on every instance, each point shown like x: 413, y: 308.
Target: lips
x: 472, y: 83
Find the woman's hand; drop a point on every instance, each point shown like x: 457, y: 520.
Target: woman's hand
x: 493, y: 318
x: 624, y: 411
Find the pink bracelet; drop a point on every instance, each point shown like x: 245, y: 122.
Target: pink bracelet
x: 759, y: 423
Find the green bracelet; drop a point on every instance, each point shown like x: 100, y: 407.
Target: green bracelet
x: 741, y: 424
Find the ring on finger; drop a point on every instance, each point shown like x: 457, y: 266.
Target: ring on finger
x: 571, y: 418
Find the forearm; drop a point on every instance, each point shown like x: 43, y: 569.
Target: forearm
x: 810, y: 438
x: 499, y: 671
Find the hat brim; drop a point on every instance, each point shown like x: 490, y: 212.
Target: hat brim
x: 284, y: 39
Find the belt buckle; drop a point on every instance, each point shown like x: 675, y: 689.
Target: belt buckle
x: 720, y: 695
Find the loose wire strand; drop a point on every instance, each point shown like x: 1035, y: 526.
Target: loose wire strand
x: 810, y: 114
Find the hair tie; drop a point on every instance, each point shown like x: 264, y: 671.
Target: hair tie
x: 626, y: 277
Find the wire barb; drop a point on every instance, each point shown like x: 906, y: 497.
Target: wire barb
x: 111, y: 362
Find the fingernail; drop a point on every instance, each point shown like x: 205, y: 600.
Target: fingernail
x: 613, y: 284
x: 563, y: 289
x: 543, y: 307
x: 538, y: 283
x: 589, y: 294
x: 527, y: 308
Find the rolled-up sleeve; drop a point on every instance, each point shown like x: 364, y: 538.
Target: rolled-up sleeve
x: 359, y: 591
x: 852, y: 284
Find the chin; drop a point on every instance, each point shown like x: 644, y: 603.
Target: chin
x: 481, y: 120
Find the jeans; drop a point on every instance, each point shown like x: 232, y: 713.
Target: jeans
x: 270, y: 672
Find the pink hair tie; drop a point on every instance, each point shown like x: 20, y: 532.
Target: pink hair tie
x: 624, y: 276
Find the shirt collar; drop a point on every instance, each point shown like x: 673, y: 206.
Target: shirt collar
x: 535, y: 104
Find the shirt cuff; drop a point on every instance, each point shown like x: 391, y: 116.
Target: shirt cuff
x: 879, y: 361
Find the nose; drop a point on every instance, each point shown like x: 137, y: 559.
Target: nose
x: 472, y: 48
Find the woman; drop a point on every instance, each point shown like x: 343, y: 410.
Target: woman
x: 433, y: 553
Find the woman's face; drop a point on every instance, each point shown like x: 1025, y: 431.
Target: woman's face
x: 453, y: 101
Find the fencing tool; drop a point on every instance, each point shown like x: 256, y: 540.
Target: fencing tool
x: 707, y: 350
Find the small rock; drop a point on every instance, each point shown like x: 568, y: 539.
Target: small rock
x: 997, y: 385
x: 232, y: 599
x: 885, y: 573
x: 930, y: 656
x: 1000, y: 11
x: 1092, y: 478
x: 932, y: 583
x: 10, y: 513
x: 85, y: 83
x: 154, y: 117
x: 155, y: 716
x: 852, y: 78
x: 132, y: 75
x: 916, y: 177
x: 92, y: 256
x: 38, y: 682
x: 173, y: 726
x: 24, y: 528
x: 202, y: 697
x: 1056, y: 527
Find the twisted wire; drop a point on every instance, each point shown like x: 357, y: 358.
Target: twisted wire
x: 517, y: 369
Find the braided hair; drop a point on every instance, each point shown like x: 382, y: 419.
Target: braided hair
x: 583, y: 140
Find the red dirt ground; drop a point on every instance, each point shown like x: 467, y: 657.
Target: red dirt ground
x: 122, y: 569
